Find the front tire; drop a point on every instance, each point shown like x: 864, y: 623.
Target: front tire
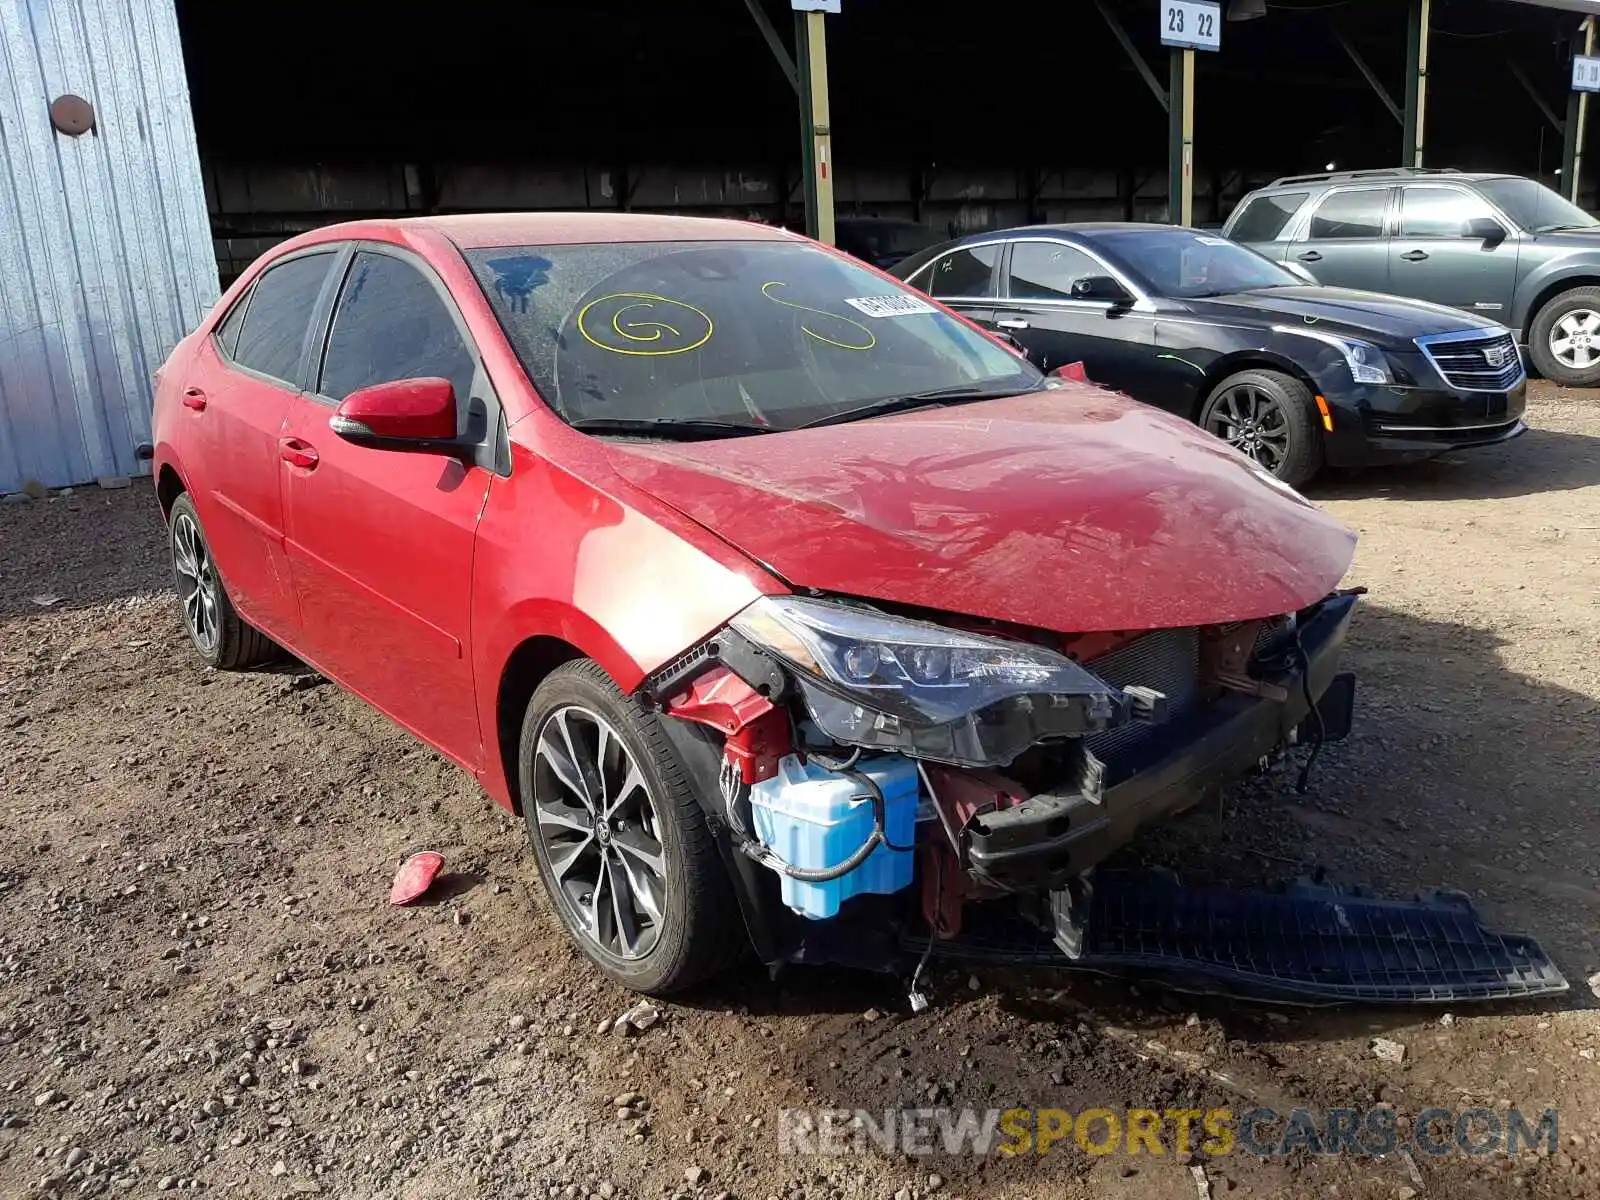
x: 1564, y: 340
x: 623, y: 847
x: 1268, y: 416
x: 216, y: 630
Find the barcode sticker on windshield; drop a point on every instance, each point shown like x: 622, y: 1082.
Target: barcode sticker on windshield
x: 890, y: 306
x: 1213, y: 241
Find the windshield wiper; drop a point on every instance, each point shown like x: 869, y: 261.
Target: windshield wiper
x: 932, y: 399
x: 688, y: 430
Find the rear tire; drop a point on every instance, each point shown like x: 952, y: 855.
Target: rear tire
x: 643, y: 891
x: 1564, y: 339
x: 218, y: 633
x: 1269, y: 416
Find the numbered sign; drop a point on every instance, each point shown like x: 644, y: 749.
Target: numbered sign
x: 1191, y: 24
x: 1585, y: 74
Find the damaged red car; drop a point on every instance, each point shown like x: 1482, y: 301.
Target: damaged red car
x: 788, y: 608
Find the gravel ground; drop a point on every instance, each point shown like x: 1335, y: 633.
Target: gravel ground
x: 201, y: 985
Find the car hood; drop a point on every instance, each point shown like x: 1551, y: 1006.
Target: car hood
x: 1372, y: 316
x: 1073, y: 509
x: 1570, y: 239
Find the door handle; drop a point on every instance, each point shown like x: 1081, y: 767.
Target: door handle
x: 194, y: 398
x: 1311, y: 256
x: 1415, y: 256
x: 297, y: 453
x: 1013, y: 323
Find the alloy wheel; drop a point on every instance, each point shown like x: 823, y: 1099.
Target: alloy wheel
x: 597, y: 824
x: 197, y: 581
x: 1251, y: 420
x: 1575, y: 339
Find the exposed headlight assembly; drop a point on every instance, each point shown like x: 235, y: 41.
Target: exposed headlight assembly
x: 885, y: 683
x: 1366, y: 362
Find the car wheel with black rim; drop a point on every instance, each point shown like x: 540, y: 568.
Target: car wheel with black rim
x: 1268, y: 416
x: 1564, y: 340
x: 624, y: 850
x: 216, y: 630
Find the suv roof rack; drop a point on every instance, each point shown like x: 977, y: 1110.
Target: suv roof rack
x: 1374, y: 173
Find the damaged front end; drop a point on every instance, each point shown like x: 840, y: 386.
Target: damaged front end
x: 871, y: 764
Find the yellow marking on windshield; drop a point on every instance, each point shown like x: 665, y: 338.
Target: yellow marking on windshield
x: 872, y: 339
x: 657, y: 328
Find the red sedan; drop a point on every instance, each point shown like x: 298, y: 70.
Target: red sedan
x: 786, y: 606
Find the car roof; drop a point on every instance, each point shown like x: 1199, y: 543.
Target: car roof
x: 474, y: 230
x: 1379, y: 178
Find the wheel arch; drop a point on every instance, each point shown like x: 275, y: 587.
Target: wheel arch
x: 528, y: 665
x: 169, y: 486
x: 1248, y: 360
x: 1548, y: 291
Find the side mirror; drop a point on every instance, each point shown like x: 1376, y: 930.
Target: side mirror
x: 1073, y: 370
x: 1102, y: 289
x: 1486, y: 230
x: 407, y: 414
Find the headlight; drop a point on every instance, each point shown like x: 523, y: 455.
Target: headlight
x: 1366, y: 362
x: 882, y: 682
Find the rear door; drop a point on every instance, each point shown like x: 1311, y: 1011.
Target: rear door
x: 1344, y: 242
x: 964, y: 279
x: 381, y: 541
x: 235, y: 407
x: 1037, y: 308
x: 1433, y: 257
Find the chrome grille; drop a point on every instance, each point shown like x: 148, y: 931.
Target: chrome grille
x: 1469, y: 362
x: 1167, y: 660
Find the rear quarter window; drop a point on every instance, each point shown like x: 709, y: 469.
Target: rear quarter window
x: 1263, y: 218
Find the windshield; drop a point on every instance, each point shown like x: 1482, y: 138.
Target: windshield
x: 1188, y: 265
x: 1535, y: 207
x: 759, y: 335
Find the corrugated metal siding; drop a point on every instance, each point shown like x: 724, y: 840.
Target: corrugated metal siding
x: 105, y: 245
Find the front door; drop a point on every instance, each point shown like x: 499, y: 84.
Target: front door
x: 380, y: 541
x: 235, y: 405
x: 1345, y: 242
x: 1437, y: 254
x: 1036, y: 307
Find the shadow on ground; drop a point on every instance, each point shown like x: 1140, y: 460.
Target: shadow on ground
x: 1541, y: 460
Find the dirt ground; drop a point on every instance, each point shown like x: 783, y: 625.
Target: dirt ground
x: 201, y: 985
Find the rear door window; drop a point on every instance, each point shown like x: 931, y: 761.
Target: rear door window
x: 273, y: 336
x: 1263, y: 217
x: 1358, y: 213
x: 391, y: 323
x: 227, y: 331
x: 968, y: 271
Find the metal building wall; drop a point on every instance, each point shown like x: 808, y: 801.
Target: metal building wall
x: 105, y: 245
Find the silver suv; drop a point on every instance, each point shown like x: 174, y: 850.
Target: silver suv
x: 1499, y: 246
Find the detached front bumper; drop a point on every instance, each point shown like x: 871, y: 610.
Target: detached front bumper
x: 1049, y: 838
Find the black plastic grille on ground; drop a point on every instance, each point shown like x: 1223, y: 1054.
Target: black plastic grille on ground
x: 1309, y: 943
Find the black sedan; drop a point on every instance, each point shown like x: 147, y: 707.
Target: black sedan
x: 1293, y: 374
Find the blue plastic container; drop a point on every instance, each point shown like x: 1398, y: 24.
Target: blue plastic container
x: 815, y: 818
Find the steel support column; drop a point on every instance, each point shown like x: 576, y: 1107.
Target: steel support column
x: 811, y: 44
x: 1415, y: 139
x: 1180, y: 139
x: 1577, y: 127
